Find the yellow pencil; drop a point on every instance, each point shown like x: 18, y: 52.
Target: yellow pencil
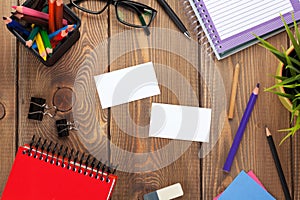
x: 41, y: 47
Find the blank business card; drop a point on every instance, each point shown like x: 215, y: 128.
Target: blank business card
x: 127, y: 85
x: 180, y: 122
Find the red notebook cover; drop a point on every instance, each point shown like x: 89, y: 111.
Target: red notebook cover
x: 33, y: 178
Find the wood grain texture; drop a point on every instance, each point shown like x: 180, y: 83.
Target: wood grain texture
x: 130, y: 122
x: 8, y: 91
x: 120, y: 134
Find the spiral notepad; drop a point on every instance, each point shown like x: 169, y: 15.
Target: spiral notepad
x: 42, y: 170
x: 229, y: 25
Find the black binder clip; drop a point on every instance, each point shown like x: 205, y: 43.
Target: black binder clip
x: 63, y: 127
x: 38, y: 108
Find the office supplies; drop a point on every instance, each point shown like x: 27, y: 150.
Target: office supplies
x: 38, y: 108
x: 32, y: 35
x: 46, y: 41
x: 233, y: 90
x: 170, y: 192
x: 31, y: 19
x: 28, y: 11
x: 69, y: 28
x: 44, y: 170
x: 229, y: 25
x: 244, y: 187
x: 126, y: 85
x: 57, y: 53
x: 15, y: 25
x: 278, y: 165
x: 174, y: 17
x: 180, y: 122
x: 51, y: 5
x: 63, y: 127
x: 58, y: 15
x: 251, y: 175
x: 240, y: 131
x: 41, y: 46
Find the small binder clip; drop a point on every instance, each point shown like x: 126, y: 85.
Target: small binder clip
x: 38, y: 108
x: 63, y: 127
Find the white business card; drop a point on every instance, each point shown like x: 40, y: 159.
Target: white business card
x: 180, y: 122
x: 127, y: 85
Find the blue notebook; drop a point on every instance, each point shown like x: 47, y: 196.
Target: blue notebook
x: 245, y: 188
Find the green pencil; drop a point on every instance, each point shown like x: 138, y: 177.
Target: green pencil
x: 46, y: 42
x: 33, y: 33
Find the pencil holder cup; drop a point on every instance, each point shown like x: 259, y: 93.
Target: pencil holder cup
x: 61, y: 46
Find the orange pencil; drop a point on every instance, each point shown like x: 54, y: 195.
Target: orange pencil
x: 59, y: 12
x: 51, y: 4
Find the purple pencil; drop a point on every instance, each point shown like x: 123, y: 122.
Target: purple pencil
x: 240, y: 131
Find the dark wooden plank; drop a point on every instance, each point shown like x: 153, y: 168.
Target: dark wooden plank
x: 67, y: 84
x: 8, y: 112
x: 256, y: 66
x: 138, y: 174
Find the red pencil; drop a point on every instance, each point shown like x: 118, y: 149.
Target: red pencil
x: 51, y: 4
x: 59, y: 11
x: 28, y: 11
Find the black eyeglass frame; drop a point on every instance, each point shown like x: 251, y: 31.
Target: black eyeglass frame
x: 132, y: 4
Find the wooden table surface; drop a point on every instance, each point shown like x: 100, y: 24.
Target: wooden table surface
x: 23, y: 76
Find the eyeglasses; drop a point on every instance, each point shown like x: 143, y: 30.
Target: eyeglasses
x: 130, y: 13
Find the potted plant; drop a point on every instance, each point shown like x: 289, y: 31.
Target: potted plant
x: 287, y: 78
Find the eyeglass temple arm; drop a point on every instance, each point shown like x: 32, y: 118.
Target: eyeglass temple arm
x: 70, y: 5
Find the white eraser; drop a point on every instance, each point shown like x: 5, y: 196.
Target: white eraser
x: 170, y: 192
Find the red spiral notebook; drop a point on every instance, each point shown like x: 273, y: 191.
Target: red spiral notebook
x: 49, y: 172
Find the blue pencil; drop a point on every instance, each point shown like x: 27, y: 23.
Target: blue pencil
x: 15, y: 25
x: 55, y: 33
x: 240, y: 131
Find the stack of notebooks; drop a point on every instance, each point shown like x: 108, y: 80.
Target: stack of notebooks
x: 229, y: 25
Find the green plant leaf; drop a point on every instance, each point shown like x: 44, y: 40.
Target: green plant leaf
x: 291, y: 36
x: 292, y: 68
x: 296, y: 27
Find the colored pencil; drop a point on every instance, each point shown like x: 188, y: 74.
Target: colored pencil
x: 16, y: 26
x: 33, y: 33
x: 59, y: 12
x: 28, y: 11
x: 278, y: 165
x: 240, y: 131
x: 31, y: 19
x: 233, y: 91
x: 70, y: 28
x: 51, y: 4
x: 41, y: 47
x: 46, y: 41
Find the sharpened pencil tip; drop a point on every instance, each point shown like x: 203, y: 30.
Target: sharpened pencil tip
x: 257, y: 85
x: 268, y: 133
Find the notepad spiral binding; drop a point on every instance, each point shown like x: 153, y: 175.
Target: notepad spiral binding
x: 59, y: 156
x: 207, y: 43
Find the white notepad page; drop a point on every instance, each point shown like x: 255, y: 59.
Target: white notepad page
x: 231, y: 17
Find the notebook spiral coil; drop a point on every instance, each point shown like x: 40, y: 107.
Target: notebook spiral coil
x: 198, y: 28
x: 59, y: 156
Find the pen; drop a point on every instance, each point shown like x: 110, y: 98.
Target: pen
x: 174, y: 17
